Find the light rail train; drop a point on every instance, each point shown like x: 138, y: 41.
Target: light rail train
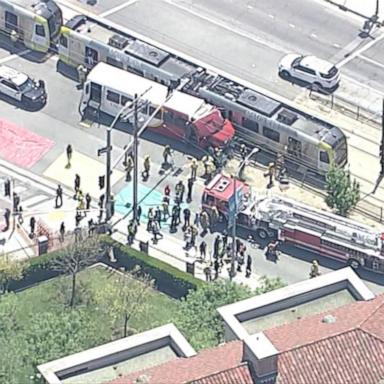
x: 36, y: 23
x: 259, y: 120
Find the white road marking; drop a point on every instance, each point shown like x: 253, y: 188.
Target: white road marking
x: 369, y: 60
x: 232, y: 29
x: 359, y: 51
x: 336, y: 45
x: 271, y: 16
x: 314, y: 35
x: 118, y: 8
x: 14, y: 56
x: 292, y: 25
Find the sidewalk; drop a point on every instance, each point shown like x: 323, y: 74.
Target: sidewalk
x: 171, y: 251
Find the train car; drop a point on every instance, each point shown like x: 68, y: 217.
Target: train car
x: 266, y: 123
x: 259, y: 121
x: 108, y: 89
x: 36, y: 23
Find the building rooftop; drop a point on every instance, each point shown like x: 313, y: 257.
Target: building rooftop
x: 186, y: 370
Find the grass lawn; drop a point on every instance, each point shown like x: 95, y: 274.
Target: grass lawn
x: 19, y: 344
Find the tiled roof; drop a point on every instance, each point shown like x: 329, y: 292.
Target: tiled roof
x: 349, y: 350
x: 366, y: 315
x: 354, y: 357
x: 237, y: 375
x: 183, y: 370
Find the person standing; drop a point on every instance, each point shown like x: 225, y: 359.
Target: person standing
x: 204, y: 220
x: 129, y: 165
x: 208, y: 273
x: 216, y: 246
x: 156, y: 231
x: 151, y: 217
x: 189, y: 189
x: 7, y: 215
x: 194, y: 233
x: 77, y: 182
x: 187, y: 218
x: 216, y: 266
x: 138, y: 214
x: 166, y: 154
x: 180, y: 189
x: 62, y: 232
x: 59, y: 196
x: 167, y: 193
x: 147, y: 167
x: 174, y: 218
x: 248, y: 269
x: 194, y: 167
x: 32, y: 224
x: 69, y: 151
x: 203, y: 250
x: 165, y: 207
x: 158, y: 215
x: 88, y: 202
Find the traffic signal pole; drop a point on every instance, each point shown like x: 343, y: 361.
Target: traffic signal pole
x: 382, y: 142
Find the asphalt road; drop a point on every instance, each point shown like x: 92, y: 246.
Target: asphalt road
x: 248, y: 38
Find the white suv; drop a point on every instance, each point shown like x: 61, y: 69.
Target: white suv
x: 319, y: 73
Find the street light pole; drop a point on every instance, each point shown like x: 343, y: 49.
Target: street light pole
x: 235, y: 208
x: 135, y: 160
x: 108, y: 172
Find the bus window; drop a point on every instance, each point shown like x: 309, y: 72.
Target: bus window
x: 271, y: 134
x: 95, y: 92
x: 125, y: 100
x: 324, y: 158
x: 113, y: 96
x: 114, y: 62
x: 10, y: 21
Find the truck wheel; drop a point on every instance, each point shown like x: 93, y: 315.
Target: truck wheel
x: 354, y: 264
x: 262, y: 233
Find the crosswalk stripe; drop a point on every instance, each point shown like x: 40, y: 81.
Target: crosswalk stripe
x: 34, y: 200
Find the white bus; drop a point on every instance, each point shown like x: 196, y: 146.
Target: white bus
x: 107, y: 89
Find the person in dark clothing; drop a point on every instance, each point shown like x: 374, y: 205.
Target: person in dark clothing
x: 174, y: 218
x: 78, y: 218
x: 32, y: 224
x: 180, y: 189
x: 69, y: 155
x: 248, y: 268
x: 77, y: 182
x: 189, y: 190
x: 216, y: 266
x: 139, y: 211
x: 203, y: 250
x: 7, y: 215
x: 59, y: 196
x: 88, y: 201
x: 158, y: 216
x: 178, y: 213
x: 225, y: 239
x: 62, y: 232
x: 187, y: 218
x: 216, y: 246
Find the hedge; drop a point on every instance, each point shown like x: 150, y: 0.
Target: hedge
x: 170, y: 280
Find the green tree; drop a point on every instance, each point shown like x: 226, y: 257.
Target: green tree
x: 342, y: 193
x: 10, y: 270
x: 125, y: 298
x: 77, y: 256
x: 198, y: 318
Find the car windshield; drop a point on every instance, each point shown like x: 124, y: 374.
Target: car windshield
x: 331, y: 73
x: 26, y: 86
x: 296, y: 62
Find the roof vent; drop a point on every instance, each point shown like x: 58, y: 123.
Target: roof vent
x: 328, y: 319
x: 117, y: 41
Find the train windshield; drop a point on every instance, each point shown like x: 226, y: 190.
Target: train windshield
x: 337, y: 140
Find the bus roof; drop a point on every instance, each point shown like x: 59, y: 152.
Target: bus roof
x: 128, y: 83
x: 191, y: 106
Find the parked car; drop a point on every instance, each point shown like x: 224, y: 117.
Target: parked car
x: 320, y: 74
x: 30, y: 93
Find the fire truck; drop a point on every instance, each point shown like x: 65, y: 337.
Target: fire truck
x: 277, y: 217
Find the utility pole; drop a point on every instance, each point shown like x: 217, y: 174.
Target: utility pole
x: 234, y: 213
x: 382, y: 142
x: 135, y: 160
x: 108, y: 172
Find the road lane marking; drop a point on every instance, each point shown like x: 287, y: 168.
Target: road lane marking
x: 369, y: 60
x: 232, y: 29
x: 292, y: 25
x: 314, y: 35
x: 118, y: 8
x: 359, y: 51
